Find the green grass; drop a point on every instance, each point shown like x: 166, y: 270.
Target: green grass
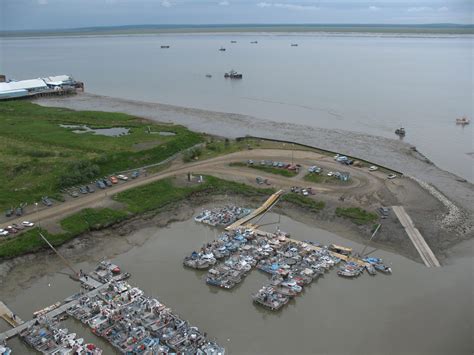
x: 267, y: 169
x: 303, y: 202
x: 356, y: 215
x: 161, y: 193
x: 323, y: 179
x: 38, y: 157
x: 91, y: 219
x: 74, y: 225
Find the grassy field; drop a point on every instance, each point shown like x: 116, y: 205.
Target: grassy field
x: 356, y: 215
x: 159, y: 194
x: 267, y: 169
x: 323, y: 179
x: 151, y: 197
x: 38, y: 157
x: 304, y: 202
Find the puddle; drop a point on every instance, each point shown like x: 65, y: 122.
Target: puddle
x: 109, y: 132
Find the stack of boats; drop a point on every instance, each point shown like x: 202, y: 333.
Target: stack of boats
x: 222, y: 216
x: 135, y: 324
x: 47, y: 337
x: 291, y: 264
x: 5, y: 350
x: 106, y: 271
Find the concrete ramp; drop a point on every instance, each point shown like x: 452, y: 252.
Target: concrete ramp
x: 416, y: 238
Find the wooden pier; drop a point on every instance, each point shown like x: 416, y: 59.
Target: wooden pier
x: 55, y: 312
x: 8, y: 316
x: 416, y: 238
x: 269, y: 203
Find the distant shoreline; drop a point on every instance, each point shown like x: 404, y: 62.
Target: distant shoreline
x: 428, y: 29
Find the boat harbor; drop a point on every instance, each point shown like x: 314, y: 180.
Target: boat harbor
x: 115, y: 311
x: 290, y: 263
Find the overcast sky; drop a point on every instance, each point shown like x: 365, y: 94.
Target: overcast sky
x: 49, y: 14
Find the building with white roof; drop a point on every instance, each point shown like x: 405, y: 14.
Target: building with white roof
x: 14, y: 89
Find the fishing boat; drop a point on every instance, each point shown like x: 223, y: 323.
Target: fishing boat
x: 208, y: 76
x: 233, y: 75
x: 463, y: 120
x: 233, y: 41
x: 222, y: 49
x: 294, y: 44
x: 400, y: 132
x: 254, y: 42
x: 165, y: 47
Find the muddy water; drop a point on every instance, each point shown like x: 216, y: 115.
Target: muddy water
x: 416, y: 310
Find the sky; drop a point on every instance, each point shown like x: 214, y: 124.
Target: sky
x: 59, y: 14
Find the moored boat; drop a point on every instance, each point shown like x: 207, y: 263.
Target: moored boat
x: 463, y: 120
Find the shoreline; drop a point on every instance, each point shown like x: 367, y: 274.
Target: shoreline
x: 397, y: 155
x: 117, y: 239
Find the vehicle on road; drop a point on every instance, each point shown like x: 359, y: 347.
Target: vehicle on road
x: 391, y: 176
x: 113, y: 180
x: 83, y: 190
x: 373, y: 168
x: 27, y: 224
x: 100, y: 184
x: 3, y: 232
x: 135, y: 174
x: 330, y: 173
x: 122, y: 177
x: 90, y: 189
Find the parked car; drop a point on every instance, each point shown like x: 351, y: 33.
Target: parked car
x: 391, y: 176
x: 305, y: 192
x: 18, y: 226
x: 9, y: 212
x: 100, y: 184
x: 83, y: 190
x: 330, y: 173
x: 73, y: 193
x: 135, y: 174
x: 373, y: 168
x: 384, y: 211
x: 11, y: 229
x: 27, y: 224
x: 113, y: 180
x: 90, y: 189
x: 250, y: 162
x: 122, y: 177
x: 19, y: 211
x: 3, y: 232
x: 46, y: 201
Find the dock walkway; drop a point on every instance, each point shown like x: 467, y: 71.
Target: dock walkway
x: 270, y: 202
x: 55, y: 312
x: 416, y: 238
x: 9, y: 316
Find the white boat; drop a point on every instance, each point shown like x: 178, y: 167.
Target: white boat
x: 463, y: 120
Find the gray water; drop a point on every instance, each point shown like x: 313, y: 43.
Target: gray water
x: 363, y: 83
x: 416, y: 310
x: 109, y: 132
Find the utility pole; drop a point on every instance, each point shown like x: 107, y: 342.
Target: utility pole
x: 62, y: 257
x: 373, y: 235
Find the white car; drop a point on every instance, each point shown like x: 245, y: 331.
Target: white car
x: 330, y: 173
x: 3, y: 232
x: 373, y: 168
x: 391, y: 176
x: 305, y: 192
x: 122, y: 177
x: 27, y: 224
